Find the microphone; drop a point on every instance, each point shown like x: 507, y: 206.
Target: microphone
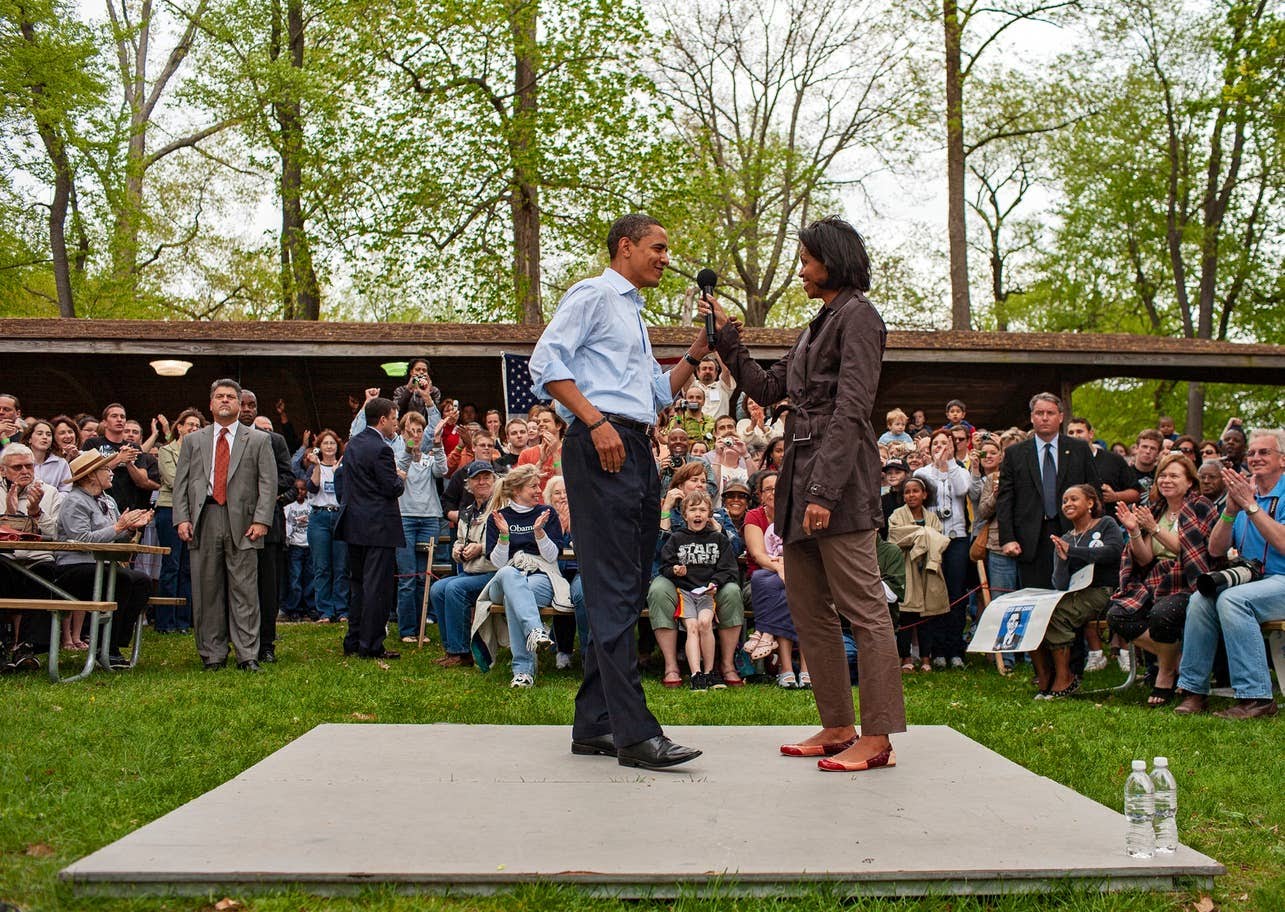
x: 707, y: 279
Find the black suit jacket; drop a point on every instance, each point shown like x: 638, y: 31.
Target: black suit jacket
x: 285, y: 489
x: 368, y: 490
x: 1019, y: 504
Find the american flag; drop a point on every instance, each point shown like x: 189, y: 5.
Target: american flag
x: 518, y: 395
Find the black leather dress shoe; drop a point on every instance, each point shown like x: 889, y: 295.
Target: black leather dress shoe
x: 655, y: 754
x: 250, y: 665
x: 215, y: 666
x: 597, y: 746
x: 268, y: 655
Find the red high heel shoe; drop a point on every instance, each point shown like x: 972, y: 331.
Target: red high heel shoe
x: 818, y: 750
x: 885, y: 758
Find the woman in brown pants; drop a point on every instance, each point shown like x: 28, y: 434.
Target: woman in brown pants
x: 827, y: 496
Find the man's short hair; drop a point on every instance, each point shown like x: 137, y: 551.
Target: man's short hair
x: 956, y: 402
x: 1045, y: 397
x: 225, y: 383
x: 841, y: 251
x: 520, y: 422
x: 107, y: 408
x: 1153, y: 435
x: 633, y: 226
x: 484, y: 435
x: 15, y: 449
x: 17, y: 406
x: 377, y: 409
x: 1078, y: 419
x: 1275, y: 433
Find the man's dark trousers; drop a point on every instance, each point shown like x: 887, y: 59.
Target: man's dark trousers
x: 371, y: 589
x: 615, y: 520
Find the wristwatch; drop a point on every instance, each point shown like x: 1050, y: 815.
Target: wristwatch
x: 1252, y: 509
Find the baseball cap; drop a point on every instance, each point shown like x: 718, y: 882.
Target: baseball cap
x: 477, y: 467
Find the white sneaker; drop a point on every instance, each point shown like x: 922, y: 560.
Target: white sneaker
x: 1125, y: 659
x: 956, y: 662
x: 563, y: 661
x: 522, y: 680
x: 939, y: 662
x: 537, y: 639
x: 1096, y: 661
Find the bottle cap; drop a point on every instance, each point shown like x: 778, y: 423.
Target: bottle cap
x: 1161, y: 761
x: 1139, y: 766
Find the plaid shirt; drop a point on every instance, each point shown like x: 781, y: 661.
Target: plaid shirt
x: 1140, y: 587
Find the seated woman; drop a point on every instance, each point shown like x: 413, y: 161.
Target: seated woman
x: 916, y: 530
x: 88, y: 514
x: 453, y: 597
x: 565, y: 630
x: 1093, y: 539
x: 524, y: 539
x: 662, y: 596
x: 545, y: 451
x: 1168, y: 549
x: 773, y: 626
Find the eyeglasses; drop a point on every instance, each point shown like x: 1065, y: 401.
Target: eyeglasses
x: 21, y: 466
x: 1262, y: 452
x: 1187, y: 450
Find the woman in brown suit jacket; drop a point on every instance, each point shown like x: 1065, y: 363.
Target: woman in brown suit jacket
x: 827, y: 501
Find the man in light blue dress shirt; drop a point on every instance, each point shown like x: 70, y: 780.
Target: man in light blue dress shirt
x: 595, y: 359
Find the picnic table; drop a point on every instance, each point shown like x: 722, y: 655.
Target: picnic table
x: 106, y: 556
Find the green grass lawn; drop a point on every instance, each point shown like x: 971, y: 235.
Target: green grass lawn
x: 83, y: 764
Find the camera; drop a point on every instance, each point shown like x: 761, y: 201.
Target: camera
x: 316, y: 452
x: 728, y: 441
x: 1244, y: 571
x: 419, y: 382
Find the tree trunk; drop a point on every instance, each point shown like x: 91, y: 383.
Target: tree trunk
x: 56, y: 149
x: 299, y: 278
x: 525, y: 196
x: 957, y: 229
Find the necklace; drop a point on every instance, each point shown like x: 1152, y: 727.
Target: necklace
x: 1077, y: 538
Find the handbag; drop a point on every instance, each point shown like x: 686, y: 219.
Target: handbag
x: 18, y: 527
x: 977, y: 550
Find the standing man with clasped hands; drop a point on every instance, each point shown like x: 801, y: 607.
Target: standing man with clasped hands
x: 596, y: 360
x: 225, y: 489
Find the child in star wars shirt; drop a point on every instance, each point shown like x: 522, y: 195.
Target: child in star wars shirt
x: 699, y: 559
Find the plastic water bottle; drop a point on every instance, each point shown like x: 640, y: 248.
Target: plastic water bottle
x: 1139, y: 809
x: 1166, y: 800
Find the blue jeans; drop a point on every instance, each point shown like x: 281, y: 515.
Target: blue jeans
x: 329, y: 565
x: 300, y: 598
x: 522, y: 596
x: 411, y: 566
x: 176, y: 574
x: 452, y: 600
x: 1237, y: 613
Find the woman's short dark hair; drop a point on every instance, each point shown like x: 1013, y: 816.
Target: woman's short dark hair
x: 410, y: 366
x: 841, y: 251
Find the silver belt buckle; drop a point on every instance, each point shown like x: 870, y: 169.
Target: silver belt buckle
x: 798, y: 439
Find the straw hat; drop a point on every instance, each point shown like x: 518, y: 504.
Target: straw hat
x: 86, y: 462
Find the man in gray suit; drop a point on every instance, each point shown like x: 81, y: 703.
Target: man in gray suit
x: 225, y: 488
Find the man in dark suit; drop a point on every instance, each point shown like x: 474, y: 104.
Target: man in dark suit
x: 370, y: 521
x: 1032, y: 479
x: 272, y: 557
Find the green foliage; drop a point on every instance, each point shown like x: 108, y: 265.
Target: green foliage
x: 88, y: 763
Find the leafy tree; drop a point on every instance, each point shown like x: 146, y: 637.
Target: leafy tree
x: 498, y: 125
x: 769, y: 112
x: 1172, y: 219
x: 48, y: 81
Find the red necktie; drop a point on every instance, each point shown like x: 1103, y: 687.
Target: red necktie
x: 221, y: 455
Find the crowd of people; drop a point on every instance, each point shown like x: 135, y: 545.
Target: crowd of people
x: 267, y: 522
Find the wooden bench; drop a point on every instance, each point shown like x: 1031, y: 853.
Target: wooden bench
x: 55, y: 609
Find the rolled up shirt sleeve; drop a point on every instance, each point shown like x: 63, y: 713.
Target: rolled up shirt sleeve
x: 661, y: 390
x: 561, y: 338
